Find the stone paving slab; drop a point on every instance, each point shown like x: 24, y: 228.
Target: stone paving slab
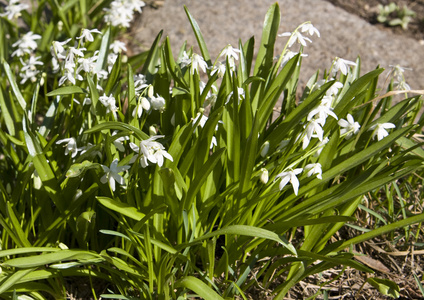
x: 342, y: 34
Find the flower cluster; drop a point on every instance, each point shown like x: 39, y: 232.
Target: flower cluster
x: 13, y: 10
x: 121, y: 12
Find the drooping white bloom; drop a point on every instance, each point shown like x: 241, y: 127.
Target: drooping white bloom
x: 334, y: 89
x: 197, y: 62
x: 310, y: 29
x: 296, y: 36
x: 26, y: 44
x: 230, y: 52
x: 184, y: 60
x: 70, y: 146
x: 112, y: 174
x: 290, y: 176
x: 13, y: 10
x: 350, y: 127
x: 57, y: 49
x: 380, y: 130
x: 289, y: 55
x: 321, y: 145
x: 220, y: 68
x: 150, y: 151
x: 70, y: 74
x: 323, y: 112
x: 314, y: 169
x: 87, y: 34
x: 117, y: 47
x: 312, y: 127
x: 158, y: 102
x: 118, y: 143
x: 140, y: 82
x: 29, y: 69
x: 111, y: 60
x: 143, y: 104
x: 241, y: 95
x: 109, y: 102
x: 88, y: 64
x: 202, y: 123
x: 342, y: 65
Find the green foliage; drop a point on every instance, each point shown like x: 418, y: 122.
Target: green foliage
x: 393, y: 15
x: 126, y: 179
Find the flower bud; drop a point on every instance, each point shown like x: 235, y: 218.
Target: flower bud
x: 264, y: 176
x: 150, y: 91
x: 152, y: 130
x: 265, y: 149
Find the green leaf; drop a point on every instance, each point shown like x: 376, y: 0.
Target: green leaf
x: 14, y: 85
x: 118, y: 126
x: 13, y: 279
x: 77, y: 169
x: 121, y: 208
x: 199, y: 287
x: 104, y: 48
x: 199, y: 37
x: 265, y: 55
x: 247, y: 230
x: 67, y: 90
x: 50, y: 258
x: 385, y: 286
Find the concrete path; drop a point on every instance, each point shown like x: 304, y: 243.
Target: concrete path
x: 342, y: 34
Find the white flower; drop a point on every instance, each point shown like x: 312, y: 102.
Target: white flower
x: 86, y: 34
x: 140, y: 82
x: 350, y: 127
x: 58, y: 50
x: 230, y: 52
x: 202, y: 123
x: 220, y: 68
x: 296, y: 36
x: 119, y: 141
x: 241, y: 95
x: 112, y: 174
x: 108, y: 102
x: 121, y: 12
x: 29, y: 69
x: 380, y: 130
x: 289, y: 55
x: 143, y: 104
x: 87, y: 64
x: 70, y: 146
x: 290, y: 176
x: 184, y: 60
x: 311, y: 29
x: 70, y: 74
x: 72, y: 52
x: 197, y: 62
x: 26, y: 44
x: 321, y: 146
x: 13, y: 10
x: 334, y: 89
x: 313, y: 126
x: 323, y: 112
x: 314, y: 169
x: 150, y: 151
x: 342, y: 65
x: 117, y: 47
x: 158, y: 102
